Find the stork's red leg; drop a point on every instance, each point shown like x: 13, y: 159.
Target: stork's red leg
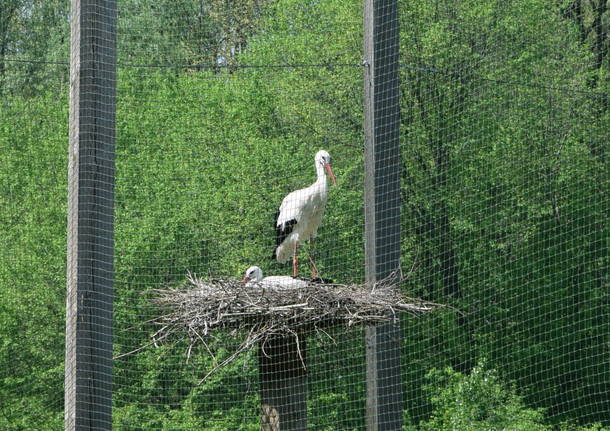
x: 312, y: 263
x: 313, y: 268
x: 295, y: 262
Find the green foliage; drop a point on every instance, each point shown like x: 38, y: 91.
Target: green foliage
x: 34, y: 37
x: 33, y: 187
x: 504, y: 207
x: 495, y: 204
x: 479, y: 401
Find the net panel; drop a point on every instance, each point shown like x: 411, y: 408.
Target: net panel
x: 34, y: 42
x: 505, y: 192
x: 211, y: 144
x: 221, y: 107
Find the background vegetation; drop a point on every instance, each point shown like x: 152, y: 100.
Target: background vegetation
x: 221, y: 106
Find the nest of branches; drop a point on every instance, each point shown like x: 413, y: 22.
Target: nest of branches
x: 199, y: 308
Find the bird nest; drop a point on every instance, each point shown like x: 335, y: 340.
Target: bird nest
x: 198, y: 308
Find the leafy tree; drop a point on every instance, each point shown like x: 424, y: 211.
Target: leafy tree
x: 493, y: 132
x: 182, y: 34
x: 33, y: 187
x: 504, y: 203
x: 34, y: 37
x: 478, y: 401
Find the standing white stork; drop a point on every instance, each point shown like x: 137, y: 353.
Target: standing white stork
x: 254, y: 277
x: 300, y: 214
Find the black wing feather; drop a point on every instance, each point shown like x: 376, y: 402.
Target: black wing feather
x: 282, y: 231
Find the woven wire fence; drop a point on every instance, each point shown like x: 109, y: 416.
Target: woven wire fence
x: 243, y: 135
x: 221, y: 107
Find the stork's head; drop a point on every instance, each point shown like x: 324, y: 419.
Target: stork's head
x: 254, y: 273
x: 323, y: 159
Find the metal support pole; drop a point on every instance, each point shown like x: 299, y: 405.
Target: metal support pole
x: 88, y: 367
x: 382, y: 205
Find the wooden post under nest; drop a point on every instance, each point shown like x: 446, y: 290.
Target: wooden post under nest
x: 283, y: 377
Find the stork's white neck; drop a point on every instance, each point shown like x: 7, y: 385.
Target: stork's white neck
x: 320, y: 172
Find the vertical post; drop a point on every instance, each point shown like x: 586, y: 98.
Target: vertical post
x: 382, y: 204
x: 283, y: 380
x: 88, y: 365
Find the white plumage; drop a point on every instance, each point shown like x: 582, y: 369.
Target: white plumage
x: 254, y: 277
x: 300, y: 214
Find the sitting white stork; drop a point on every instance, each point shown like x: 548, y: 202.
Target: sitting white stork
x: 254, y: 277
x: 300, y: 214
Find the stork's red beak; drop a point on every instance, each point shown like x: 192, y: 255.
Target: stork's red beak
x: 329, y: 169
x: 246, y: 279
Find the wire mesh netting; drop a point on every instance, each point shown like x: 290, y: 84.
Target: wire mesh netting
x: 221, y: 107
x: 214, y: 150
